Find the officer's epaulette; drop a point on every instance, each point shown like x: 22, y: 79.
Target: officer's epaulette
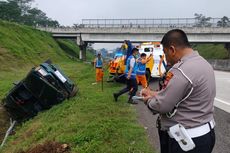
x: 178, y: 64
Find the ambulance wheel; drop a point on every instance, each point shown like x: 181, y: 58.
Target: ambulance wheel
x: 148, y: 75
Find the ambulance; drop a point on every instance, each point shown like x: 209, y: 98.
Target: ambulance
x: 156, y: 67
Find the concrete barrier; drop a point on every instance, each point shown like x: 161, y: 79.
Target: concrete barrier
x: 223, y: 65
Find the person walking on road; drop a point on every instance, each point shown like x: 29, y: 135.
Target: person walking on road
x: 185, y: 104
x: 130, y: 73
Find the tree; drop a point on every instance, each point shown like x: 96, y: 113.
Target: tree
x: 10, y: 11
x: 90, y: 48
x: 53, y: 23
x: 103, y: 52
x: 75, y: 25
x: 202, y: 21
x: 20, y: 11
x: 224, y: 22
x: 35, y: 17
x: 24, y: 5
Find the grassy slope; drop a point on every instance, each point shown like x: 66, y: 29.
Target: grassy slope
x: 69, y: 47
x: 20, y: 45
x: 21, y: 48
x: 72, y: 50
x: 212, y: 51
x: 91, y: 122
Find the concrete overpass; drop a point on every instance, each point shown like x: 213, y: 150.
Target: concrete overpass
x: 117, y: 35
x: 144, y: 30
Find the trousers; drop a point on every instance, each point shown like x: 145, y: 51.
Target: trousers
x: 99, y: 74
x: 131, y: 85
x: 142, y: 79
x: 204, y: 144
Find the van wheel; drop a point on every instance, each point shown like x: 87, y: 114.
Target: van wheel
x: 148, y: 75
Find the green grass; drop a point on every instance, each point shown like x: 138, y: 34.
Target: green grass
x: 90, y: 56
x: 21, y: 45
x: 69, y: 47
x: 212, y: 51
x: 91, y: 122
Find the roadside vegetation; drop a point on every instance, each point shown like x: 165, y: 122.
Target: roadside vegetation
x: 91, y: 122
x: 212, y: 51
x: 22, y: 45
x: 22, y: 12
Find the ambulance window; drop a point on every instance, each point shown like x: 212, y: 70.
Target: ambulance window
x: 148, y: 49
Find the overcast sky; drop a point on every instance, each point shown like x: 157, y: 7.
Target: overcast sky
x: 69, y: 12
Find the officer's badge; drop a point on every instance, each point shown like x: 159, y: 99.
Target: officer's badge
x: 168, y: 77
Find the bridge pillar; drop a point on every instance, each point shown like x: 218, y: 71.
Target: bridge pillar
x: 227, y: 46
x: 82, y: 53
x: 82, y: 45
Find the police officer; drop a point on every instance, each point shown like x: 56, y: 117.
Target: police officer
x: 187, y: 98
x: 130, y: 73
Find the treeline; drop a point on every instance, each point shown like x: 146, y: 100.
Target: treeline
x: 21, y: 11
x: 203, y: 21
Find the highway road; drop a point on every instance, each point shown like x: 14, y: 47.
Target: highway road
x: 222, y: 110
x: 221, y: 115
x: 222, y: 99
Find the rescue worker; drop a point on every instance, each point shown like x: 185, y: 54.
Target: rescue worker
x: 141, y: 69
x: 98, y: 65
x: 128, y: 50
x: 130, y: 73
x: 187, y: 99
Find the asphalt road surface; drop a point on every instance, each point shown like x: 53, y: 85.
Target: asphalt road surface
x: 221, y: 115
x: 222, y: 99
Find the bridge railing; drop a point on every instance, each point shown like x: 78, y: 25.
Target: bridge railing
x: 191, y: 25
x: 143, y: 23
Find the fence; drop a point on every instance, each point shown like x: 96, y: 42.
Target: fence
x: 166, y: 22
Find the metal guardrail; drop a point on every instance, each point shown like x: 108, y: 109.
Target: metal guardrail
x: 190, y: 25
x: 142, y: 23
x: 82, y: 30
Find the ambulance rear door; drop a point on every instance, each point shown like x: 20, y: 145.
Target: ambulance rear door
x: 159, y: 61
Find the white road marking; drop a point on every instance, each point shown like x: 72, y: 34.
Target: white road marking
x: 222, y: 105
x: 222, y: 101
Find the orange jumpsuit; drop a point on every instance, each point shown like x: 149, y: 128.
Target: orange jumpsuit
x: 142, y: 79
x: 99, y: 74
x: 98, y: 63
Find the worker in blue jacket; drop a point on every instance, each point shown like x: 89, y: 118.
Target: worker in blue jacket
x: 130, y: 73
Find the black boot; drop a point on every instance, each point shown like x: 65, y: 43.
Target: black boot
x: 131, y: 101
x: 115, y: 95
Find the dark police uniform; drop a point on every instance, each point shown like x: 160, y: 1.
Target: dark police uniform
x: 190, y: 90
